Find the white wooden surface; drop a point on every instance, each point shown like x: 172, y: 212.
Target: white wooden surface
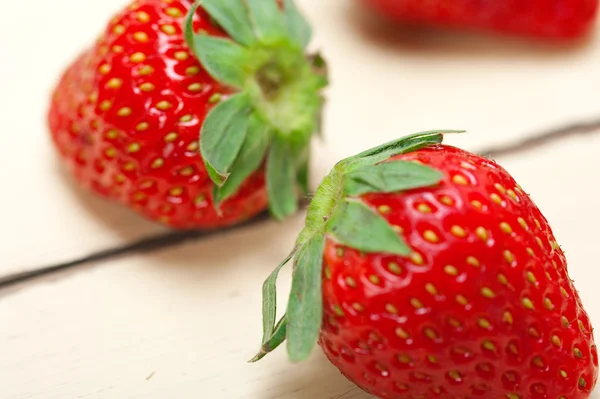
x: 182, y: 322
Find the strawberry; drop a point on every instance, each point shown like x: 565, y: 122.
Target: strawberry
x: 425, y: 271
x: 551, y: 19
x: 194, y: 115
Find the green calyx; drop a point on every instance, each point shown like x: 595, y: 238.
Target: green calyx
x: 338, y: 212
x: 277, y: 103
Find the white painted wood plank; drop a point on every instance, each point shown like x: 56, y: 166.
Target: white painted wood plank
x: 181, y: 323
x: 385, y: 83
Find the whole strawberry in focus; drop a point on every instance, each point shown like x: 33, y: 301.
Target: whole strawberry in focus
x: 195, y: 115
x: 425, y: 271
x: 551, y: 19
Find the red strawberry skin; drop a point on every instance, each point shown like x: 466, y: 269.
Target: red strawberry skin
x: 558, y: 19
x: 126, y: 115
x: 483, y: 308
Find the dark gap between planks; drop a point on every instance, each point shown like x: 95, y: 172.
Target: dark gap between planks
x: 176, y: 238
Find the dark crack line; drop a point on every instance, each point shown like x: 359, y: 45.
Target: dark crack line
x: 171, y: 239
x: 141, y: 246
x: 541, y: 139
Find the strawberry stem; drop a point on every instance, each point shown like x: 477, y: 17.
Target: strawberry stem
x: 338, y: 213
x: 264, y: 61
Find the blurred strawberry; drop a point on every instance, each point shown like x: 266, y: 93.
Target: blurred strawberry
x: 556, y: 19
x: 127, y: 114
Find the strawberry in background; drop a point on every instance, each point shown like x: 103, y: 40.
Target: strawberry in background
x: 195, y: 115
x: 550, y: 19
x: 426, y: 271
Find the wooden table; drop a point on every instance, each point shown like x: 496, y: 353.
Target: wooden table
x: 181, y: 320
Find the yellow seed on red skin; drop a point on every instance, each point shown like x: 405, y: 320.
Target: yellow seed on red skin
x: 192, y: 71
x: 476, y: 204
x: 134, y: 147
x: 193, y: 146
x: 394, y: 268
x: 171, y: 137
x: 523, y: 223
x: 114, y: 83
x: 142, y: 126
x: 417, y: 259
x: 157, y: 163
x: 358, y: 307
x: 350, y: 282
x: 137, y: 57
x: 430, y: 333
x: 527, y: 303
x: 502, y: 279
x: 496, y: 198
x: 487, y: 292
x: 556, y: 341
x: 415, y: 303
x: 400, y: 332
x: 548, y: 304
x: 186, y: 171
x: 374, y: 279
x: 431, y: 289
x: 143, y: 16
x: 430, y: 236
x: 181, y: 55
x: 338, y: 310
x: 500, y: 188
x: 195, y: 87
x: 424, y: 208
x: 484, y: 323
x: 104, y: 69
x: 404, y: 359
x: 473, y: 261
x: 489, y: 345
x: 460, y: 179
x: 505, y: 227
x: 451, y: 270
x: 146, y: 87
x: 481, y: 233
x: 124, y: 112
x: 563, y: 374
x: 118, y: 29
x: 145, y: 70
x: 458, y: 231
x: 105, y: 105
x: 446, y: 200
x: 462, y: 300
x: 173, y: 12
x: 531, y: 277
x: 141, y: 37
x: 507, y: 317
x: 168, y: 29
x: 508, y: 256
x: 391, y: 309
x: 163, y: 105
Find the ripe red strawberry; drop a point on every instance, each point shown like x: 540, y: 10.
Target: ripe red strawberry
x: 427, y: 272
x: 127, y: 114
x: 560, y: 19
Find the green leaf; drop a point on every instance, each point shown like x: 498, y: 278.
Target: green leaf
x: 298, y: 28
x: 188, y: 26
x: 356, y: 225
x: 268, y: 20
x: 248, y: 160
x: 395, y: 147
x: 233, y: 17
x: 273, y: 341
x: 281, y: 180
x: 222, y: 58
x: 390, y: 177
x: 223, y: 134
x: 269, y: 299
x: 305, y: 306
